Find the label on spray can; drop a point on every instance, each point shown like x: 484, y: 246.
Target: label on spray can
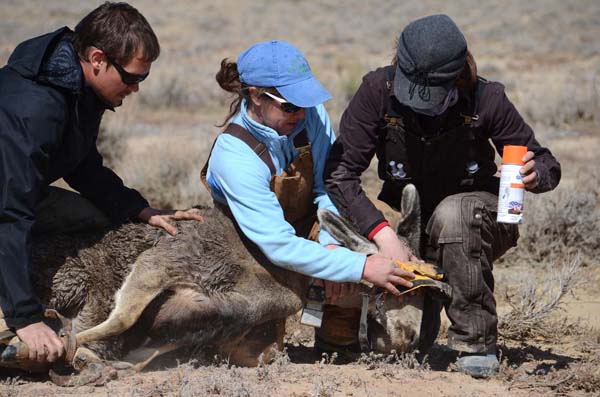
x: 510, y: 198
x: 512, y: 190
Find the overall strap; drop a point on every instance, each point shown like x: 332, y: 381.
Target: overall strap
x: 257, y: 147
x: 245, y: 136
x: 480, y: 86
x: 475, y: 99
x: 390, y: 74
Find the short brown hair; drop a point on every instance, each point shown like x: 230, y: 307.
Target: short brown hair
x: 119, y: 30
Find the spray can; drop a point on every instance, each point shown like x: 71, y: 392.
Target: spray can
x: 512, y: 190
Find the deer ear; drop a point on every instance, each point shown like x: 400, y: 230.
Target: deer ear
x: 410, y: 200
x: 342, y: 231
x: 409, y: 226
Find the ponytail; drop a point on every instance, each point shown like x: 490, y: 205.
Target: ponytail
x: 229, y: 80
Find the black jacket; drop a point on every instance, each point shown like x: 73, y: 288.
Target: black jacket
x: 49, y: 122
x: 434, y: 150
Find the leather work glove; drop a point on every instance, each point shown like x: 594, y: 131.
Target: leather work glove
x: 421, y: 268
x: 426, y: 275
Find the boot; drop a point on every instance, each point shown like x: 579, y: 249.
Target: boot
x: 339, y: 331
x: 480, y: 366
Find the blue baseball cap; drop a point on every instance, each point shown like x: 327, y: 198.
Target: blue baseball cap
x: 280, y: 65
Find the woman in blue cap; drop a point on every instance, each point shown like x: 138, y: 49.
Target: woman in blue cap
x: 429, y: 119
x: 267, y: 168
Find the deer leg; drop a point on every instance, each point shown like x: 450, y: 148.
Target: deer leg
x: 86, y: 362
x: 140, y: 358
x: 146, y: 281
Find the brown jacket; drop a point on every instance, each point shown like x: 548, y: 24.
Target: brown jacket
x: 434, y: 148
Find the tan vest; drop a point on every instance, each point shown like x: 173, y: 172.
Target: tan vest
x: 293, y: 188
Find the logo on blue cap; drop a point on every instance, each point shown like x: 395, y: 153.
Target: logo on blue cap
x: 299, y: 65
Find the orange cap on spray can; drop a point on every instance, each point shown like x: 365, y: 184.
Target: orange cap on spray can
x: 513, y: 154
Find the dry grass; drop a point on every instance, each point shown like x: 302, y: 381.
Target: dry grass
x: 585, y: 375
x: 9, y: 387
x: 391, y: 362
x: 560, y: 375
x: 111, y: 145
x: 559, y: 225
x: 534, y: 303
x: 167, y: 175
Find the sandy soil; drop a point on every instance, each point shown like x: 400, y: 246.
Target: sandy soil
x: 294, y: 380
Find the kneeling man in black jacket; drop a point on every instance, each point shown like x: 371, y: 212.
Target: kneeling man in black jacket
x: 55, y: 89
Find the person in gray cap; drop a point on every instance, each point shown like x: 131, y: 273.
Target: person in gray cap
x: 429, y: 119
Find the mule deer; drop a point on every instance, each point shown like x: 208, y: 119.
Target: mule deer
x: 136, y: 292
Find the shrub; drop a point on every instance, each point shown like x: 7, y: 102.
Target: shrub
x: 535, y: 303
x: 111, y: 145
x: 558, y: 225
x: 168, y: 176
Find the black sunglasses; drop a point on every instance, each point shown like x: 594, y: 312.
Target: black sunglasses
x: 126, y: 77
x: 284, y: 105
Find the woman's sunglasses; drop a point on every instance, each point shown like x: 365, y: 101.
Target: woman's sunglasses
x: 126, y: 77
x: 284, y: 105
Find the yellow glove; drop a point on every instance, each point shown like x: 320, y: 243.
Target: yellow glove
x: 422, y: 269
x: 426, y: 275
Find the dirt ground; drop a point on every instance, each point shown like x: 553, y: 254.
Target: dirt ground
x: 546, y: 52
x: 291, y: 380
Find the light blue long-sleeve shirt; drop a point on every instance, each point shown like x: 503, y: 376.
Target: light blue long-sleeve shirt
x: 240, y: 179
